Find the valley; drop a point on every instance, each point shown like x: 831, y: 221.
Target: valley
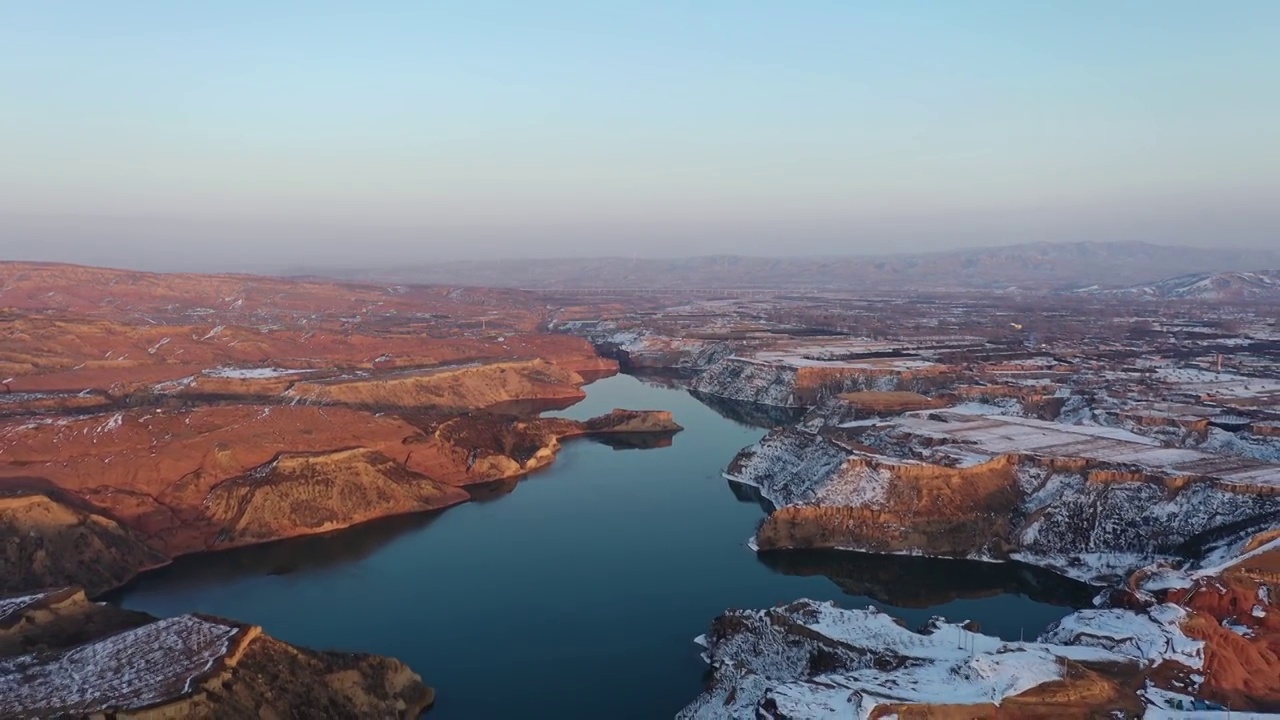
x: 1084, y: 485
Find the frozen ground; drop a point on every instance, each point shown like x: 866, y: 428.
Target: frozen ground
x: 810, y: 659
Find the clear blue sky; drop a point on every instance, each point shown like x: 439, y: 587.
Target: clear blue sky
x: 389, y: 131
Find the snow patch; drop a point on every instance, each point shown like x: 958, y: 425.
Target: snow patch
x: 155, y: 663
x: 252, y: 373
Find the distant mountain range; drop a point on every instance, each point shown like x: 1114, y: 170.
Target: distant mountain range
x: 1230, y: 286
x: 1032, y: 267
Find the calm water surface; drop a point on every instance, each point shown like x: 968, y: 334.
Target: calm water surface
x: 578, y: 594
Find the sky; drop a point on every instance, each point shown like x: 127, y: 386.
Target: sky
x: 230, y: 134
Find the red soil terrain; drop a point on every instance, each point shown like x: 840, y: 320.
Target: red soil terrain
x: 68, y: 353
x: 1238, y: 619
x: 143, y: 416
x: 154, y: 297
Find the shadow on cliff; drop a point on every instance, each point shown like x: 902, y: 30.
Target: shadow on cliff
x: 282, y: 557
x: 919, y: 582
x: 749, y: 494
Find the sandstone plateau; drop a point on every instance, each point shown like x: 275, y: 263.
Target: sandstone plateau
x: 1085, y: 449
x: 1184, y: 541
x: 1149, y: 483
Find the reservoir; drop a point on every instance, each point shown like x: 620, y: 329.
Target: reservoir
x: 577, y: 592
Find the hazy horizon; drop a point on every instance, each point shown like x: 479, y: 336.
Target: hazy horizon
x: 240, y: 136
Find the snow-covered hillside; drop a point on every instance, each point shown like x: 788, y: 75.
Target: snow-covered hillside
x: 750, y: 381
x: 812, y: 659
x: 1264, y: 285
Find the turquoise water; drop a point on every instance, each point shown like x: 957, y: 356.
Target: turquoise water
x: 579, y: 593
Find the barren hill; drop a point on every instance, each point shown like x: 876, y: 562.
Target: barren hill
x: 1227, y: 286
x: 1036, y: 267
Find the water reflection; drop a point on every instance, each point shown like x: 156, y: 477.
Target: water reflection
x: 752, y: 414
x: 527, y: 408
x: 919, y: 582
x: 670, y: 379
x: 283, y: 557
x: 492, y: 490
x: 748, y: 494
x: 635, y: 441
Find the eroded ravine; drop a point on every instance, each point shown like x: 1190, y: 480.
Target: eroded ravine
x: 581, y: 592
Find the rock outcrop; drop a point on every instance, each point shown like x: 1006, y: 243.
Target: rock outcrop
x: 481, y: 448
x: 61, y: 655
x: 631, y: 421
x: 1087, y: 502
x: 641, y: 351
x: 797, y: 380
x: 743, y: 380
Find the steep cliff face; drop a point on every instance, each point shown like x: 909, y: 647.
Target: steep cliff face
x: 641, y: 350
x: 744, y: 380
x: 1087, y: 518
x: 873, y: 507
x: 61, y: 655
x: 789, y: 465
x: 795, y: 381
